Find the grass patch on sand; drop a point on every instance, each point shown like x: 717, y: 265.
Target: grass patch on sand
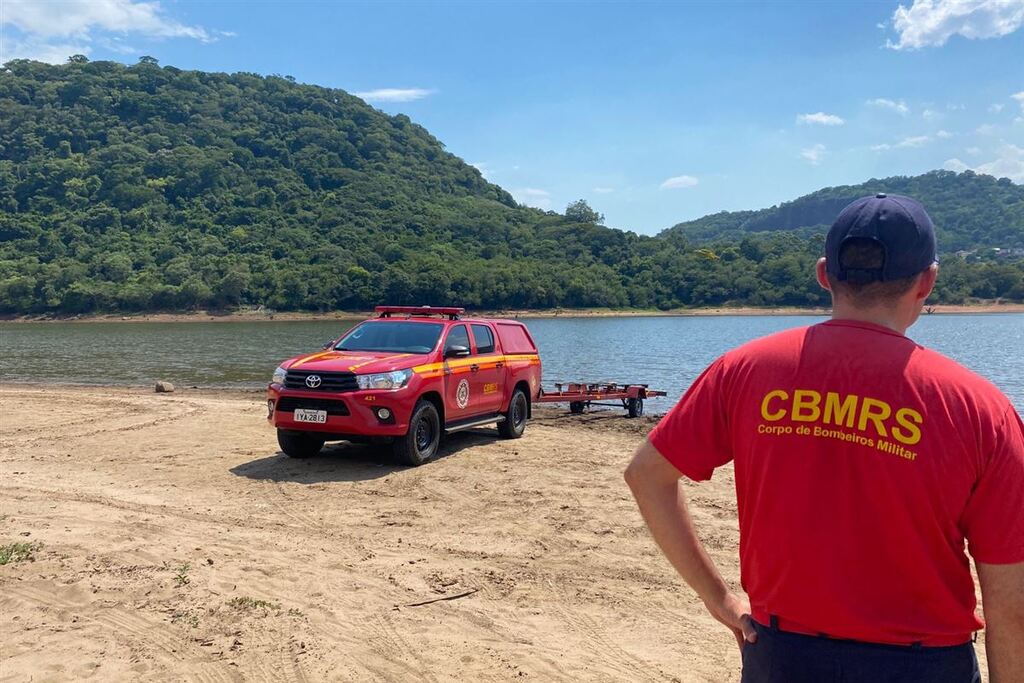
x: 17, y: 552
x: 181, y: 575
x: 252, y: 603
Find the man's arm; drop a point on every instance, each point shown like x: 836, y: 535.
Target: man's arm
x: 1002, y: 596
x: 655, y: 485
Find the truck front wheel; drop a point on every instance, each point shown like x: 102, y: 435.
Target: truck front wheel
x: 421, y: 442
x: 299, y: 444
x: 514, y: 424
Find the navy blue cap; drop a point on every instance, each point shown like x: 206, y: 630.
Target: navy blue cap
x: 899, y: 224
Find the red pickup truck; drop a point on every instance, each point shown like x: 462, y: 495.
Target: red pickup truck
x: 409, y: 375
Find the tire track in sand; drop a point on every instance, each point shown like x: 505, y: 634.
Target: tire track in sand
x: 392, y: 646
x: 135, y: 426
x: 604, y: 650
x: 143, y: 508
x: 151, y: 635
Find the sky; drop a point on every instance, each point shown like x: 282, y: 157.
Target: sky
x: 654, y: 112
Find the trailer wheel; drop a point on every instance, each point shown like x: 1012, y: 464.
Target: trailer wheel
x: 299, y: 444
x: 635, y: 406
x: 576, y: 407
x: 514, y: 424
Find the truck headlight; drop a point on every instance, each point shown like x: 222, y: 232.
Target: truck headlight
x: 279, y: 375
x: 384, y: 380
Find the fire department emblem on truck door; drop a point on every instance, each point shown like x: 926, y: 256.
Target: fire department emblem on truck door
x: 462, y: 394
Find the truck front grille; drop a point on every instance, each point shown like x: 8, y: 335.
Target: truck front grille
x: 288, y: 404
x: 329, y: 381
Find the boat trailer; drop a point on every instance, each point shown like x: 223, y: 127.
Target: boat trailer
x: 580, y: 396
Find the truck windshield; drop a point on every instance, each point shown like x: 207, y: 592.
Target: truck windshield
x: 395, y: 337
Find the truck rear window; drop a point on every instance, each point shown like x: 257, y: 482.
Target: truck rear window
x: 483, y: 338
x: 515, y: 339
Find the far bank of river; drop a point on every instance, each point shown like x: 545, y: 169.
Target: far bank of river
x: 250, y: 316
x: 666, y: 352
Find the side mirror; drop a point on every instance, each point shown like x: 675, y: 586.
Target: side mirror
x: 456, y: 352
x: 327, y: 345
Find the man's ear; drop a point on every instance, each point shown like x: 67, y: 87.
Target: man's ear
x: 819, y: 270
x: 926, y: 283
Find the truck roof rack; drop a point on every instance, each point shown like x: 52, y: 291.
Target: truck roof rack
x: 449, y: 312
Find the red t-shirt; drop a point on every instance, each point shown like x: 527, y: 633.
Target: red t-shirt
x: 863, y: 461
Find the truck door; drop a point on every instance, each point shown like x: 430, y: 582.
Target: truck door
x: 460, y: 400
x: 487, y: 373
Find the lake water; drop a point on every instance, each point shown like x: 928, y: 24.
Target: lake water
x: 665, y: 352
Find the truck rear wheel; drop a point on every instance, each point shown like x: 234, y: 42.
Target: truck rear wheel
x: 514, y: 424
x: 421, y: 442
x: 299, y: 444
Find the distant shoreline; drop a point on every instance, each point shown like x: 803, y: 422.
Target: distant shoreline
x: 254, y: 316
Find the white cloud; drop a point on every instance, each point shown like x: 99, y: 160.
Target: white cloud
x: 955, y: 165
x: 394, y: 94
x: 913, y: 141
x: 603, y: 190
x: 115, y: 45
x: 900, y: 107
x: 929, y: 114
x: 1020, y: 99
x: 995, y: 108
x: 916, y: 141
x: 928, y: 23
x: 679, y: 181
x: 44, y: 51
x: 55, y: 30
x: 820, y: 118
x: 985, y: 129
x: 77, y: 17
x: 973, y: 151
x: 531, y: 196
x: 814, y: 154
x: 1009, y: 164
x: 943, y: 135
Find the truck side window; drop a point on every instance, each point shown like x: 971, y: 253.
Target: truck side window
x: 457, y: 336
x: 483, y: 338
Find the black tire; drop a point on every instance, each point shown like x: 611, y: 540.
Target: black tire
x: 421, y: 442
x: 635, y: 406
x: 299, y: 444
x: 576, y: 407
x: 514, y: 424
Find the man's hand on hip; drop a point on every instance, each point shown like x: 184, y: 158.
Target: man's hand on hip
x: 734, y: 611
x: 655, y: 485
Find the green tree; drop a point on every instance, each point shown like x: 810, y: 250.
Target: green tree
x: 580, y: 212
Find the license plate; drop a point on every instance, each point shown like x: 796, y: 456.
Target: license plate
x: 306, y: 415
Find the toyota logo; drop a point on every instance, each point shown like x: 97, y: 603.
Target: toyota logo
x: 313, y: 381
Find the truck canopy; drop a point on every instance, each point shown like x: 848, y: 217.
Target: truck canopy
x: 515, y: 338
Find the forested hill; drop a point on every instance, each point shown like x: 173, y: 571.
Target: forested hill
x: 970, y: 211
x: 151, y: 187
x: 142, y: 188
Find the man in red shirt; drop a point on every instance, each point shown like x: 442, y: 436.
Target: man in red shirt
x: 863, y: 464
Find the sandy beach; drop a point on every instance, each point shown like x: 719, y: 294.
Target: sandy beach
x: 266, y: 316
x: 170, y: 540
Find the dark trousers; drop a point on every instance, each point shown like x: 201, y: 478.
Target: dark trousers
x: 780, y: 657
